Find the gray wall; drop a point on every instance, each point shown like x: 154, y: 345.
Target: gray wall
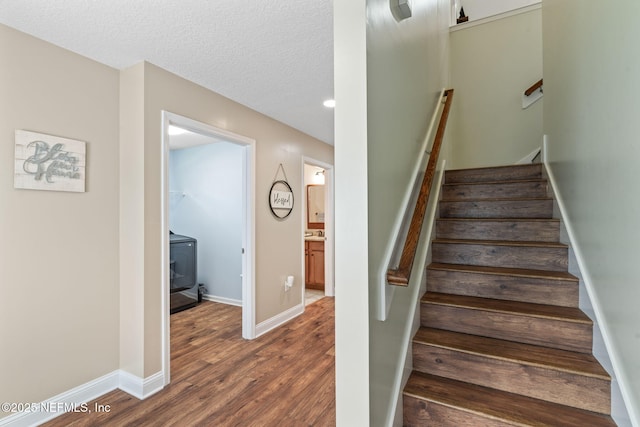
x: 206, y: 184
x: 592, y: 105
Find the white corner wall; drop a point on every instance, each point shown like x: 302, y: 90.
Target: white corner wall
x: 492, y: 64
x: 590, y: 119
x: 351, y: 206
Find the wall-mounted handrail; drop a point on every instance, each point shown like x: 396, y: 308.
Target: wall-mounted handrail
x: 537, y: 85
x: 400, y: 276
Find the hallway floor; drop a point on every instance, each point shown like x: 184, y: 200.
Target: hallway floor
x: 283, y: 378
x: 312, y: 295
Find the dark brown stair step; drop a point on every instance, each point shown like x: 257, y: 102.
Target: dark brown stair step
x: 565, y: 377
x: 492, y: 174
x: 541, y: 230
x: 497, y: 208
x: 534, y: 286
x: 492, y: 253
x: 565, y: 328
x: 495, y: 190
x: 437, y: 401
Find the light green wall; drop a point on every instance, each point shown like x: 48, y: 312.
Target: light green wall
x: 407, y: 67
x: 491, y: 66
x: 592, y: 106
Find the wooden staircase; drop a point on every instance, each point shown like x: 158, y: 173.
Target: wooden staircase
x: 502, y: 341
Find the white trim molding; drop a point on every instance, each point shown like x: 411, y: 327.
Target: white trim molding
x: 488, y: 19
x: 76, y: 399
x: 222, y: 300
x: 528, y: 101
x: 529, y: 157
x: 248, y: 233
x: 141, y: 388
x: 279, y: 319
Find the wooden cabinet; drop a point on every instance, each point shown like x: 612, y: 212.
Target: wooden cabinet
x: 314, y: 264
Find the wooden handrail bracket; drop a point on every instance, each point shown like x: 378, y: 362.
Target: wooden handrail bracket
x: 400, y: 276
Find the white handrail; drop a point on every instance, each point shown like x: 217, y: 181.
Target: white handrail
x: 393, y: 248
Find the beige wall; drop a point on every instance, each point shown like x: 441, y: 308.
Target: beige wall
x: 591, y: 69
x: 491, y: 66
x: 59, y: 251
x: 278, y: 243
x: 69, y: 313
x: 407, y: 67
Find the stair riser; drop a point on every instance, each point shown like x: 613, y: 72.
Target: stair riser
x: 421, y: 413
x: 503, y: 190
x: 525, y: 289
x: 565, y: 388
x: 494, y: 174
x: 564, y: 335
x: 537, y: 258
x: 517, y: 231
x: 527, y: 208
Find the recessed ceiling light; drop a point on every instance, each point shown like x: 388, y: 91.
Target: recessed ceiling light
x: 329, y: 103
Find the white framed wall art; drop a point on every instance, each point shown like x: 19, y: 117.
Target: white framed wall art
x: 46, y: 162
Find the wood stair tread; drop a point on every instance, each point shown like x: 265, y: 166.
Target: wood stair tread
x: 496, y: 168
x: 527, y: 354
x: 533, y: 171
x: 497, y: 182
x: 499, y: 220
x: 502, y: 243
x: 504, y: 271
x: 567, y: 314
x: 497, y: 405
x: 496, y: 199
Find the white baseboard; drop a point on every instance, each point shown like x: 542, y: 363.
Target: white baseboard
x: 141, y: 388
x: 71, y: 400
x: 277, y: 320
x: 75, y: 400
x: 529, y: 157
x: 623, y: 410
x: 222, y: 300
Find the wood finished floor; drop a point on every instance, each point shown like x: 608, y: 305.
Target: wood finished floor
x: 284, y: 378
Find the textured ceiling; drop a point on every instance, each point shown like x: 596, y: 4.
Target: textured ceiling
x: 271, y: 55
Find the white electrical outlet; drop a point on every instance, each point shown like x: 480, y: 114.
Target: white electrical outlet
x: 288, y: 283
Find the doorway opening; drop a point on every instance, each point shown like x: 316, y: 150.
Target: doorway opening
x: 202, y: 194
x: 318, y: 229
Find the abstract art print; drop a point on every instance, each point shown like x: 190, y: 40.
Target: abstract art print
x: 46, y: 162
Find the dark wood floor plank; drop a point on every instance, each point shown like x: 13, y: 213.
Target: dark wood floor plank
x: 283, y: 378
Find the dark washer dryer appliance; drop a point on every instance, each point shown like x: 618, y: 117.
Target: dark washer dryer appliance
x: 183, y: 279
